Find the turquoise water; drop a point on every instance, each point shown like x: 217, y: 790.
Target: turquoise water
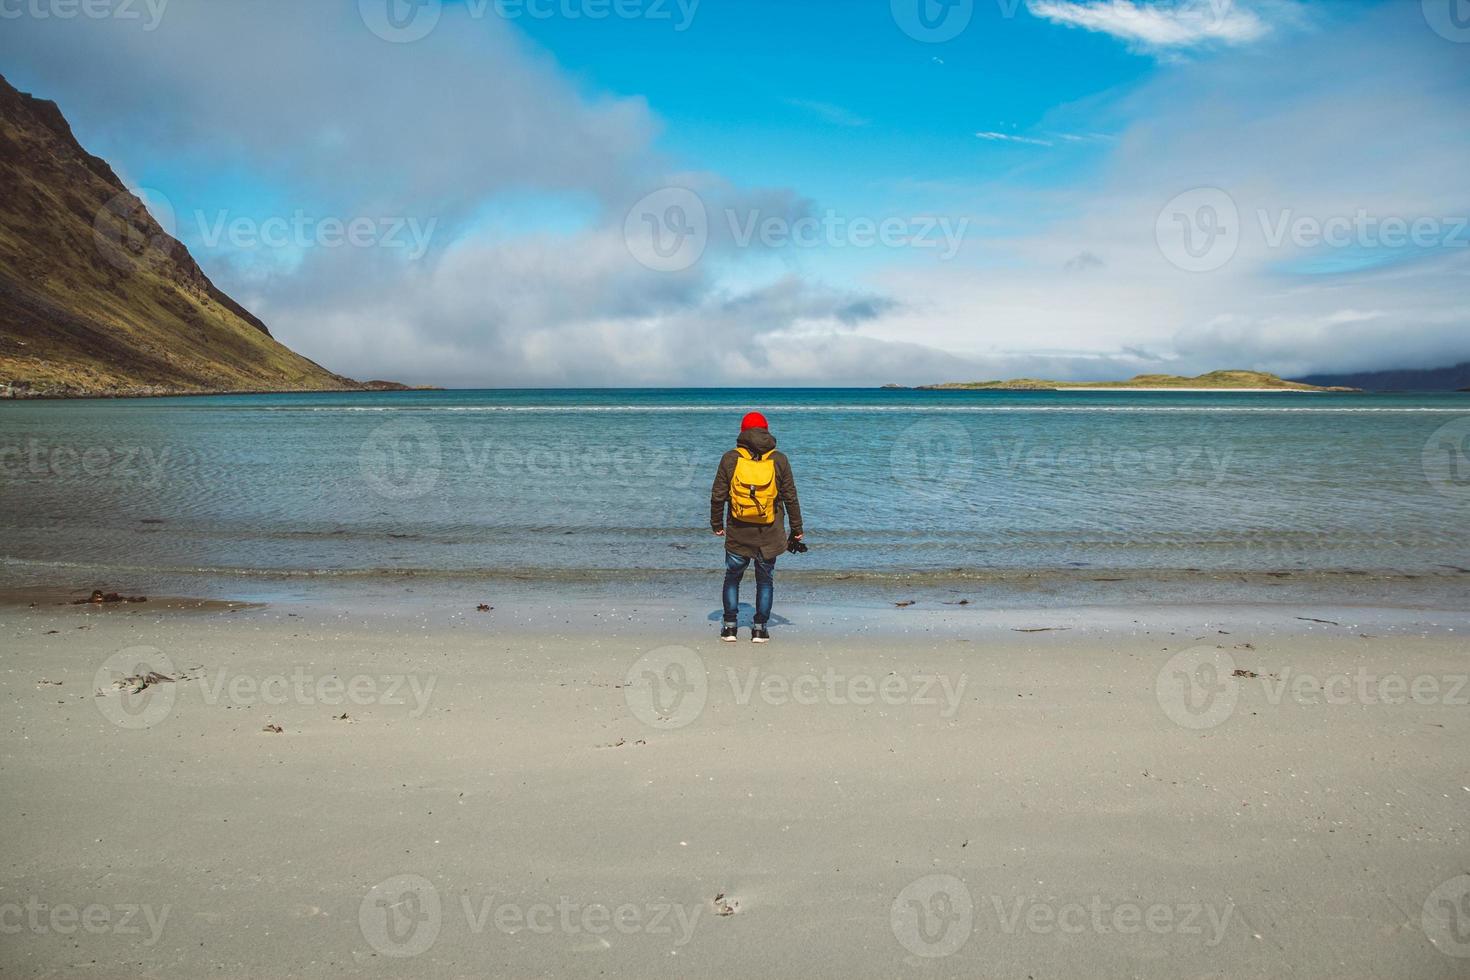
x: 566, y: 484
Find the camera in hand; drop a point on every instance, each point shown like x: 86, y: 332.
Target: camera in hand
x: 794, y: 546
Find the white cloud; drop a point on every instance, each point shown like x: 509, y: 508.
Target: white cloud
x: 333, y: 118
x: 1288, y: 135
x: 1080, y: 291
x: 995, y: 137
x: 1163, y: 24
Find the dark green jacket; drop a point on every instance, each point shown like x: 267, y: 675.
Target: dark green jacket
x: 755, y: 540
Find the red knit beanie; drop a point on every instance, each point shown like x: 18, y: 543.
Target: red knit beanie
x: 755, y: 420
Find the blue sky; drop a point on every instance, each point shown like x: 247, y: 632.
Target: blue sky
x: 834, y: 95
x: 1048, y: 169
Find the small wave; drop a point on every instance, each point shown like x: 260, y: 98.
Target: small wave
x: 854, y: 409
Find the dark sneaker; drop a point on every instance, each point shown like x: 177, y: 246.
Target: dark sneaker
x: 758, y: 634
x: 728, y: 632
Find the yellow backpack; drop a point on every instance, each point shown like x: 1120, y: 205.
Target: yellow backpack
x: 753, y: 488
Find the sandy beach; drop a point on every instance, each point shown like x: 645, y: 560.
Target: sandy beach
x: 612, y: 792
x: 398, y: 398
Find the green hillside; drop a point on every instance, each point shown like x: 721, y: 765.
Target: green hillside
x: 1253, y: 380
x: 95, y: 298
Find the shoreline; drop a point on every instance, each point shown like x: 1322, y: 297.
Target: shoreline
x: 9, y: 393
x: 977, y: 591
x: 800, y: 614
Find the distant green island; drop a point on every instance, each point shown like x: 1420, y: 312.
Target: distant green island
x: 1214, y: 381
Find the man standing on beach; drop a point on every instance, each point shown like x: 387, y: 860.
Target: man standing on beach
x: 753, y: 492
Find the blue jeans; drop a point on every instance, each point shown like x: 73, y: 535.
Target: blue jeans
x: 765, y: 589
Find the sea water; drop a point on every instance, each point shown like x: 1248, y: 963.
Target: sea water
x: 613, y: 485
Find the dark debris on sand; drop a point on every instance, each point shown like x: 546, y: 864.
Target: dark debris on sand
x: 98, y: 597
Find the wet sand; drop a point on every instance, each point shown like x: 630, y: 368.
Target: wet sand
x: 549, y: 790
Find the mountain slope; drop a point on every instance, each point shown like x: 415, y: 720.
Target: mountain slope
x: 1429, y: 379
x: 95, y: 298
